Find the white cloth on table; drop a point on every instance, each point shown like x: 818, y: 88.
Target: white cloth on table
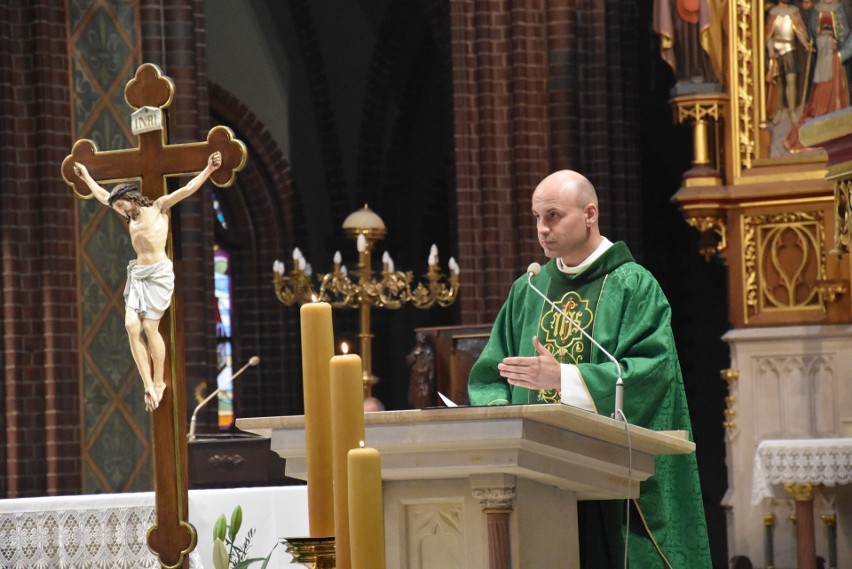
x: 149, y: 288
x: 84, y: 532
x: 800, y: 461
x: 110, y: 530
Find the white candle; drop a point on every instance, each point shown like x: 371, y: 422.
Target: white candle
x: 454, y: 266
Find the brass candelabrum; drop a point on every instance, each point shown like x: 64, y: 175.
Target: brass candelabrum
x: 391, y: 290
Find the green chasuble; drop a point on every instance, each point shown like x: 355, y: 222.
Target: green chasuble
x: 622, y: 306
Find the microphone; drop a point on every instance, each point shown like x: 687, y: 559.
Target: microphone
x: 618, y: 414
x: 253, y: 361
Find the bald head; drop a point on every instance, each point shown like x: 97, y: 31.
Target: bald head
x: 565, y: 205
x: 569, y: 185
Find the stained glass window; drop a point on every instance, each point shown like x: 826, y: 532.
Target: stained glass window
x: 222, y: 285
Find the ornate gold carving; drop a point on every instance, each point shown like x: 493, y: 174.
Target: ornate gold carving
x: 829, y: 290
x: 707, y: 226
x: 783, y: 262
x: 730, y: 413
x: 829, y: 519
x: 800, y: 492
x: 842, y: 216
x: 731, y: 376
x: 744, y: 81
x: 698, y: 110
x: 749, y: 269
x: 769, y: 520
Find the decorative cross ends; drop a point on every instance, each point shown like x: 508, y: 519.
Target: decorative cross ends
x: 154, y: 159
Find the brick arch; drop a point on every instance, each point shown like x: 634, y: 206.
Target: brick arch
x: 263, y: 215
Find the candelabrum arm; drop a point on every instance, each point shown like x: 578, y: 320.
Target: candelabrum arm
x: 394, y: 290
x: 435, y: 291
x: 338, y: 289
x: 293, y: 288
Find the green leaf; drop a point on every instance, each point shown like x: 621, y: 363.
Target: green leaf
x: 248, y: 562
x: 219, y: 528
x: 220, y: 554
x: 268, y: 557
x: 236, y: 522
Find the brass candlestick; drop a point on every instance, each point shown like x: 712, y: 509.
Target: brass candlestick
x: 313, y: 552
x: 392, y: 290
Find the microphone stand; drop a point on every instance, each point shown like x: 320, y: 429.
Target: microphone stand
x: 253, y: 361
x: 618, y: 413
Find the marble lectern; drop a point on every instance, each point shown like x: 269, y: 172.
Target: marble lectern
x: 490, y: 486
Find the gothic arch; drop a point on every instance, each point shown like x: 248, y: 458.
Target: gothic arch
x: 263, y: 216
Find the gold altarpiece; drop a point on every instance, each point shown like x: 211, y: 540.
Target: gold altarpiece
x: 769, y: 214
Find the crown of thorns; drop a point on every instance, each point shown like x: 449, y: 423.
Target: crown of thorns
x: 120, y: 191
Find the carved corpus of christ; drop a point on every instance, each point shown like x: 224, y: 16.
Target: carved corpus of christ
x: 150, y: 277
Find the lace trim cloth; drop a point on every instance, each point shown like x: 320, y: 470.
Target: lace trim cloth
x: 800, y: 461
x: 82, y: 538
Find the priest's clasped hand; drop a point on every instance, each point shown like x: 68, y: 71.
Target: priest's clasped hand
x: 534, y: 372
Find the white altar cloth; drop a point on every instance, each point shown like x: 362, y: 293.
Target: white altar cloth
x: 100, y: 531
x: 800, y: 461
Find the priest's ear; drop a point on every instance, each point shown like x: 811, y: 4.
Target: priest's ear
x: 590, y: 214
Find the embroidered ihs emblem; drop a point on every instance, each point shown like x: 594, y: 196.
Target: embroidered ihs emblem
x: 561, y: 337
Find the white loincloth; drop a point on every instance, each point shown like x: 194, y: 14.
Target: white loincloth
x: 149, y: 288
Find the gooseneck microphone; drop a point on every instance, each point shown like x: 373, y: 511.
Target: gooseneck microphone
x: 533, y: 270
x: 253, y: 361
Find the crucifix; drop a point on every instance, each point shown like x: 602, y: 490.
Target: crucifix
x: 172, y: 537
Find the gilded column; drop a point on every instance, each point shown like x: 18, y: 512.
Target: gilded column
x: 703, y: 110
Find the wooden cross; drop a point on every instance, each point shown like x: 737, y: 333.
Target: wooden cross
x: 172, y: 538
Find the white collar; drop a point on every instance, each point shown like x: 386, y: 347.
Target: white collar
x: 601, y: 249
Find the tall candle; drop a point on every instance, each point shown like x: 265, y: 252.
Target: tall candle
x: 366, y: 509
x: 347, y: 431
x: 317, y: 350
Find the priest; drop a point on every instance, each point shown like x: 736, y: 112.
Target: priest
x: 536, y: 355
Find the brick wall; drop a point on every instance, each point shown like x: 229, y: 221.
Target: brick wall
x: 41, y: 445
x: 538, y: 86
